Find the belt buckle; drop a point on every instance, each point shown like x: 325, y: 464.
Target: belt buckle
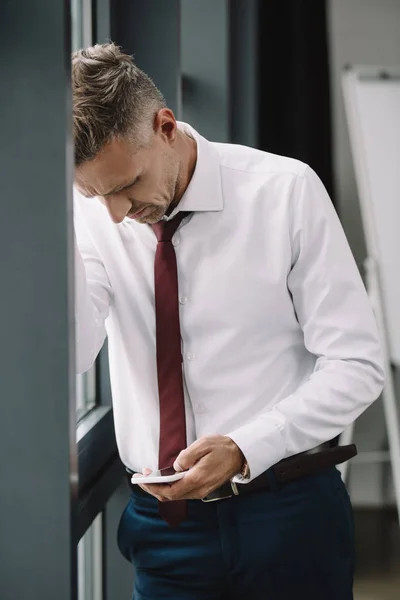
x: 235, y: 492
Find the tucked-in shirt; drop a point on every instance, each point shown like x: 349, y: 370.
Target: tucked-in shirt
x: 280, y: 346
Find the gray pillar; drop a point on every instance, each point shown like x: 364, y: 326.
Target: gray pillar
x: 219, y: 68
x: 102, y: 21
x: 37, y: 379
x: 205, y: 67
x: 149, y: 29
x: 243, y: 69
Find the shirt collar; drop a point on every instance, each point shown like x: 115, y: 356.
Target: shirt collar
x: 204, y: 192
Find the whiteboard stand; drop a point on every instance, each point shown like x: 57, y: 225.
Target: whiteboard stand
x: 390, y: 404
x: 371, y: 96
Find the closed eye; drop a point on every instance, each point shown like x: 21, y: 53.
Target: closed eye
x: 135, y: 182
x: 120, y: 189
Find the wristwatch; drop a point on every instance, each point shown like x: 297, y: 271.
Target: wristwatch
x: 245, y: 470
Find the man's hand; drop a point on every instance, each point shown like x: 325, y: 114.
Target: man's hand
x: 212, y: 461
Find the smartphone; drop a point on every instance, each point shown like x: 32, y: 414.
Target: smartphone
x: 167, y: 475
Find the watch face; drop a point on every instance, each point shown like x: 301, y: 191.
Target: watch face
x: 245, y: 472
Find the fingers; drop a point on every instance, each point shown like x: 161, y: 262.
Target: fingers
x: 189, y: 457
x: 196, y: 483
x: 144, y: 472
x: 172, y: 491
x: 154, y: 490
x: 191, y: 486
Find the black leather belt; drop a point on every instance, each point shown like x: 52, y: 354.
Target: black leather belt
x: 285, y: 471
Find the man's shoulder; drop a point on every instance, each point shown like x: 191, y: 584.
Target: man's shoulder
x: 235, y: 157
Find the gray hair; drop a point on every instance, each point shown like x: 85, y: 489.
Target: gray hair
x: 112, y: 98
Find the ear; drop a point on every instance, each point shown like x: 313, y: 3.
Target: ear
x: 165, y: 125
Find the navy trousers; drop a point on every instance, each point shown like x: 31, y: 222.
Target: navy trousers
x: 293, y: 543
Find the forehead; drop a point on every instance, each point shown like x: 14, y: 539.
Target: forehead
x: 117, y: 162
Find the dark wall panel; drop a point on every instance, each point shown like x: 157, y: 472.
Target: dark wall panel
x: 37, y: 374
x: 149, y: 29
x: 294, y: 94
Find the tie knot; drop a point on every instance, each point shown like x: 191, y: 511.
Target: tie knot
x: 164, y: 230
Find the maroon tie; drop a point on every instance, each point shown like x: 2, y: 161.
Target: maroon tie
x: 169, y: 360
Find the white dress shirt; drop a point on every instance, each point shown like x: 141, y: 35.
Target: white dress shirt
x: 280, y: 345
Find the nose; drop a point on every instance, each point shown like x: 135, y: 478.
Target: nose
x: 117, y: 207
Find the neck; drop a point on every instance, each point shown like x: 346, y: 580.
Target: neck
x: 187, y: 149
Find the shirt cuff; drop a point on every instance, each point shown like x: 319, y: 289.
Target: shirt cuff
x: 261, y: 451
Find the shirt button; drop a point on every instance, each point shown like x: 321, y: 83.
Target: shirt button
x: 175, y: 240
x: 199, y: 408
x: 190, y: 356
x: 183, y: 300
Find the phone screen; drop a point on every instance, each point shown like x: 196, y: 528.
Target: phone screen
x: 163, y: 472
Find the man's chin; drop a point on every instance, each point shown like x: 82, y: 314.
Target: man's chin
x: 153, y: 217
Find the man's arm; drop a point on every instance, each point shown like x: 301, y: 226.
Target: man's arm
x: 92, y: 299
x: 339, y: 328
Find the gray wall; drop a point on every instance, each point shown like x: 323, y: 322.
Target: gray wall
x: 360, y: 32
x: 205, y: 67
x: 37, y: 374
x: 218, y: 53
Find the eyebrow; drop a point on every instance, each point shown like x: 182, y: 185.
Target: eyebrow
x: 120, y: 187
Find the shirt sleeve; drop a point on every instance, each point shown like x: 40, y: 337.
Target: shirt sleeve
x: 339, y: 328
x: 93, y: 296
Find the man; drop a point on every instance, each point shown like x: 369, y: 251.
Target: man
x: 240, y: 336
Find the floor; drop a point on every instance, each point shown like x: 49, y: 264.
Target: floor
x: 378, y: 555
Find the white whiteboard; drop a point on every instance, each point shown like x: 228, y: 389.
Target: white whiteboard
x: 372, y: 102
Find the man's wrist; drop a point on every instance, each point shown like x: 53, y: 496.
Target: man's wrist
x: 243, y: 469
